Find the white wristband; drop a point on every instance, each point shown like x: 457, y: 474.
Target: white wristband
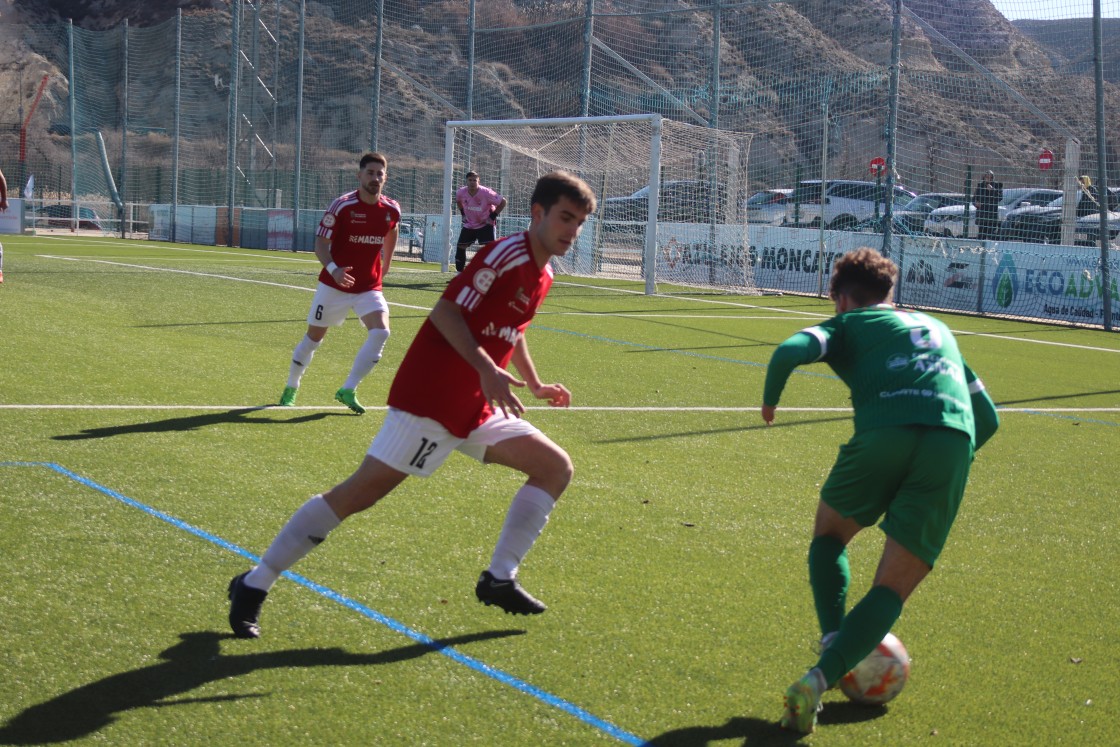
x: 331, y: 267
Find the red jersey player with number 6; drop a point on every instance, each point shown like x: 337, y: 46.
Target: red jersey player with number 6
x: 452, y: 392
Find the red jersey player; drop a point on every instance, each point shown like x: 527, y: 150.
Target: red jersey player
x: 453, y: 392
x: 355, y: 243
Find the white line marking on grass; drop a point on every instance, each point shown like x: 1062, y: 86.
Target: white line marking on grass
x: 791, y: 313
x: 210, y: 275
x: 397, y: 627
x: 539, y: 409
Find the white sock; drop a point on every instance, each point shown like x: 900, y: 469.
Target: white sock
x: 524, y: 523
x: 301, y: 359
x: 819, y: 682
x: 368, y: 356
x: 307, y: 528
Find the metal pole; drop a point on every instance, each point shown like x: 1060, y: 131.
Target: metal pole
x: 448, y: 190
x: 713, y: 103
x: 585, y: 78
x: 821, y: 269
x: 21, y: 174
x: 73, y: 131
x: 255, y: 71
x: 123, y: 179
x: 892, y: 126
x: 467, y: 150
x: 1102, y: 166
x: 231, y: 120
x: 272, y: 201
x: 299, y: 125
x: 375, y: 107
x: 178, y: 110
x: 649, y: 251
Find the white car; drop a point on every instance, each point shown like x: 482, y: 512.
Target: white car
x: 949, y: 221
x: 846, y: 203
x: 768, y: 206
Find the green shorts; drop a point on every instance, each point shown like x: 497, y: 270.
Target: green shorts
x: 913, y: 474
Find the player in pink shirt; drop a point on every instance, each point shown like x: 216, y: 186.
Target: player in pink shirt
x: 453, y: 392
x: 355, y: 243
x: 480, y: 207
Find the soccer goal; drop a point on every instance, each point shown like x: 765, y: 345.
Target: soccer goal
x: 671, y: 195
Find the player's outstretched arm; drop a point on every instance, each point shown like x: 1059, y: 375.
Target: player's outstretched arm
x: 983, y: 408
x: 556, y: 394
x: 798, y: 349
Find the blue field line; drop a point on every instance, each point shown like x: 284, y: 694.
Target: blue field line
x: 398, y: 627
x: 689, y: 353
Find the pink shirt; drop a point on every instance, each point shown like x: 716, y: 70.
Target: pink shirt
x: 476, y: 208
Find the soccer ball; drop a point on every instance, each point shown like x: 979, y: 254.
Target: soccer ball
x: 880, y: 677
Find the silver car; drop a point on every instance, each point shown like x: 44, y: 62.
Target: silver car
x: 949, y: 221
x: 768, y: 206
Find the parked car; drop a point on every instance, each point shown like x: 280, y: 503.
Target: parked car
x: 685, y: 201
x: 1087, y: 230
x: 845, y: 203
x: 768, y: 206
x: 1042, y: 224
x: 949, y: 221
x: 410, y: 233
x: 875, y: 225
x: 59, y: 216
x: 913, y: 214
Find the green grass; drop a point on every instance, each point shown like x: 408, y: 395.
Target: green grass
x: 674, y: 567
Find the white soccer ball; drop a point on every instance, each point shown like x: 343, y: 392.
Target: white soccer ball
x: 880, y: 677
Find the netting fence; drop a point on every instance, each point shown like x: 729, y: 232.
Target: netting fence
x: 265, y: 105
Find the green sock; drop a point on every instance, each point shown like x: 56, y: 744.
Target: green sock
x: 829, y: 577
x: 862, y: 630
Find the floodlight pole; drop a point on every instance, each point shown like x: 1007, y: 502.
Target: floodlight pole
x: 1102, y: 168
x: 892, y: 126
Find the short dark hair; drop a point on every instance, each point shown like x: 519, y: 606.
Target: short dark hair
x: 472, y: 173
x: 865, y: 275
x: 551, y: 187
x: 374, y: 157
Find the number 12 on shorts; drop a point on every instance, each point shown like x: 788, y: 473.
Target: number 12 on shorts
x: 422, y: 454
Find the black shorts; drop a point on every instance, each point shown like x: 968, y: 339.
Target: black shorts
x: 482, y: 235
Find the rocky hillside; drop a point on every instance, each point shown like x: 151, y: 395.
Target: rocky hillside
x: 762, y: 46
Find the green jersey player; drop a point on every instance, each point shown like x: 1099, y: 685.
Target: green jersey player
x: 920, y: 415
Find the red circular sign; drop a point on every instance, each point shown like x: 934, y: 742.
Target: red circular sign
x: 1046, y: 160
x: 878, y: 165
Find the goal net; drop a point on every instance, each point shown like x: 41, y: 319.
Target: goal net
x: 671, y: 195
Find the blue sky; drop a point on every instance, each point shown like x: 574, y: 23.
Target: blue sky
x: 1055, y: 9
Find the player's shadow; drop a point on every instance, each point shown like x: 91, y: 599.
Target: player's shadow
x: 192, y: 663
x: 713, y: 431
x: 192, y: 422
x: 756, y: 732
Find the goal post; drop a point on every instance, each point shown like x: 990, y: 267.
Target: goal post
x: 670, y: 195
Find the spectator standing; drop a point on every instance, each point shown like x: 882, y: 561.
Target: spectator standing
x: 453, y: 392
x: 355, y: 243
x: 920, y: 415
x: 988, y: 195
x: 480, y: 207
x: 1088, y: 197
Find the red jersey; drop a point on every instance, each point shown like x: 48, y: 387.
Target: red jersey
x: 498, y: 293
x: 357, y: 233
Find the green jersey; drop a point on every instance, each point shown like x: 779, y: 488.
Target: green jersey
x: 902, y: 367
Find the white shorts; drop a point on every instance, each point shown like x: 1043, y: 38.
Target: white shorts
x: 330, y: 307
x: 418, y: 446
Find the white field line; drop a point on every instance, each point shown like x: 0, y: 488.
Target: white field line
x: 734, y: 304
x: 754, y: 409
x: 209, y: 275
